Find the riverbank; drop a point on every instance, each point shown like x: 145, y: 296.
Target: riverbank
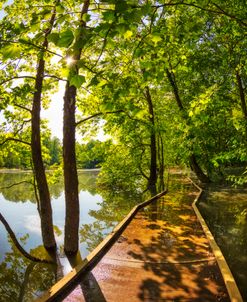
x: 4, y: 170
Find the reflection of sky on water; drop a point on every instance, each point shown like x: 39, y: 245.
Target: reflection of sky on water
x: 24, y: 218
x: 3, y: 242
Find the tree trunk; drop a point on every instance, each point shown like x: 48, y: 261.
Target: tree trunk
x: 192, y: 159
x: 71, y: 240
x: 153, y: 149
x: 161, y: 163
x: 242, y: 98
x: 70, y: 173
x: 197, y: 169
x: 38, y: 165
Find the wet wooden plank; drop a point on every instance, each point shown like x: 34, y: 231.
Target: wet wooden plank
x: 60, y: 289
x: 163, y: 255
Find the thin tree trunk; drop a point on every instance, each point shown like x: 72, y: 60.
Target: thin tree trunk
x: 197, y: 169
x: 71, y: 240
x: 38, y: 165
x: 153, y: 149
x: 161, y: 163
x: 192, y: 159
x: 242, y: 98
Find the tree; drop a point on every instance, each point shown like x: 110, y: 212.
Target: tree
x: 170, y: 86
x: 69, y: 157
x: 90, y: 155
x: 11, y: 51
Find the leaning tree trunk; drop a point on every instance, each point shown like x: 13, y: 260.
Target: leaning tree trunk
x: 161, y: 163
x: 192, y: 159
x: 153, y: 149
x: 242, y: 99
x: 71, y: 240
x: 45, y: 209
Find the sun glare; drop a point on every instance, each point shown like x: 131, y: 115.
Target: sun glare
x: 70, y: 60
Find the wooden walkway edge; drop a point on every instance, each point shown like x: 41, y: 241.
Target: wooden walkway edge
x: 59, y: 290
x: 93, y: 262
x: 228, y: 278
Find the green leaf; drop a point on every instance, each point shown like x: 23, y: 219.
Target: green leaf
x: 53, y: 37
x: 109, y: 16
x: 86, y: 17
x: 140, y: 114
x: 102, y: 83
x: 64, y: 72
x: 59, y: 9
x: 121, y: 6
x: 77, y: 80
x: 65, y: 38
x: 156, y: 38
x: 128, y: 34
x: 11, y: 51
x: 94, y: 81
x: 122, y: 28
x: 107, y: 107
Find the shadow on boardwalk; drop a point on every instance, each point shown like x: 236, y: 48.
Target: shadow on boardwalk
x: 163, y: 255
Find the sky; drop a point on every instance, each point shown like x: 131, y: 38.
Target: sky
x: 54, y: 115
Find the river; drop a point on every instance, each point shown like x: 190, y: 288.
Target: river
x: 23, y: 280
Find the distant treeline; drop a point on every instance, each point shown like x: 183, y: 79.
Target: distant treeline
x: 89, y: 155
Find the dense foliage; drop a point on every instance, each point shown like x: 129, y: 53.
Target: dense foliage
x: 168, y: 78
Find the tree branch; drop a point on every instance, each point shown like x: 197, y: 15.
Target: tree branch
x: 140, y: 168
x: 23, y: 107
x: 172, y: 80
x: 229, y: 15
x: 16, y: 184
x: 219, y: 11
x: 15, y: 140
x: 34, y: 45
x: 104, y: 45
x: 17, y: 77
x: 95, y: 115
x: 54, y: 77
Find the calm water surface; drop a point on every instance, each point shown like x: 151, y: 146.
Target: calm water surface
x: 225, y: 211
x: 23, y: 280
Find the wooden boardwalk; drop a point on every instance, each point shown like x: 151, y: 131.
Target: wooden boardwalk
x: 163, y: 255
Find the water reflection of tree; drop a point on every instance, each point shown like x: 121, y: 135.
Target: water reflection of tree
x: 224, y: 211
x: 22, y: 191
x: 18, y: 187
x: 87, y: 181
x: 20, y: 278
x: 113, y: 209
